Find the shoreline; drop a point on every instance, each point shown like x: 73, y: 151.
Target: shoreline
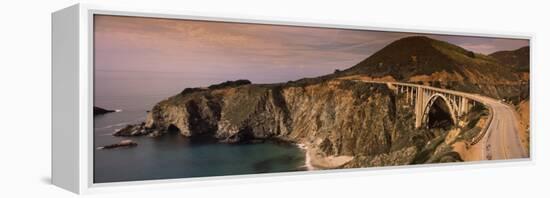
x: 307, y: 162
x: 314, y: 161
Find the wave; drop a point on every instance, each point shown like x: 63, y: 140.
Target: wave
x: 121, y: 124
x: 307, y: 163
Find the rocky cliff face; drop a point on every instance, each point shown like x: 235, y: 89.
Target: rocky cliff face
x: 340, y: 117
x: 353, y: 124
x: 333, y: 118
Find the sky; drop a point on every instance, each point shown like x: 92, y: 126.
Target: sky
x: 154, y: 53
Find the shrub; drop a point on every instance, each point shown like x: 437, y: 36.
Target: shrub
x: 189, y: 90
x: 230, y: 84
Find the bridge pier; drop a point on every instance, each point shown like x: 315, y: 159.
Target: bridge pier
x: 419, y: 107
x: 462, y: 106
x: 406, y: 95
x: 411, y: 96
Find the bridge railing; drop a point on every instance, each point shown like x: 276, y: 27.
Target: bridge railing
x: 452, y: 92
x: 483, y: 131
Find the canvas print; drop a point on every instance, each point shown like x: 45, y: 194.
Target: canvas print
x: 177, y: 98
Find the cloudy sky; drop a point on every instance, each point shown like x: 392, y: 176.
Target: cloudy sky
x: 198, y: 53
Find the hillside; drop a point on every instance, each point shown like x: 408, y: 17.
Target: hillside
x: 517, y: 59
x: 421, y: 58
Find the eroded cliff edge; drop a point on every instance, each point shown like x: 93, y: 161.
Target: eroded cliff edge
x: 342, y: 123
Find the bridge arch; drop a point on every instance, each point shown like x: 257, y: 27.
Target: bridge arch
x: 437, y: 99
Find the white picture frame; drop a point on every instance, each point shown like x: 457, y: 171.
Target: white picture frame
x: 72, y: 95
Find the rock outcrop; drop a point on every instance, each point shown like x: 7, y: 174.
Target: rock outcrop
x: 101, y: 111
x: 333, y: 117
x: 123, y: 143
x: 136, y: 130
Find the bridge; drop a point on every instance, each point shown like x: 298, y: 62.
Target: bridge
x: 499, y: 139
x: 424, y: 97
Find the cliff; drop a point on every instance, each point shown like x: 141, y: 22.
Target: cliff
x: 325, y: 114
x: 341, y: 122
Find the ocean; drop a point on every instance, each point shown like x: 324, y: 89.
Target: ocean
x: 174, y: 156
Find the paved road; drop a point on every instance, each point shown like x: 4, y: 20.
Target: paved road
x: 501, y: 140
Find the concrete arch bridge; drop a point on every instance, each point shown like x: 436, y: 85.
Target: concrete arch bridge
x: 499, y: 139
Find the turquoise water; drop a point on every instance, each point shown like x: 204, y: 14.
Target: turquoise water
x: 173, y: 156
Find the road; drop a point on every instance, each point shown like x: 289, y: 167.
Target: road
x: 501, y: 140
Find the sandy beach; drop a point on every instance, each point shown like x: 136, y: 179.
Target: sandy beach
x: 316, y: 161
